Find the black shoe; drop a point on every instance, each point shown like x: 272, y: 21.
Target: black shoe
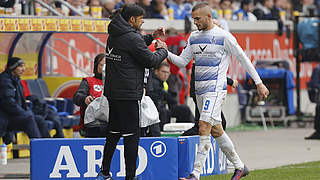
x: 103, y: 177
x: 239, y: 173
x: 190, y: 177
x: 315, y: 135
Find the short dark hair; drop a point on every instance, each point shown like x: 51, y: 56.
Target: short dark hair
x: 164, y: 63
x: 130, y: 10
x: 200, y: 5
x: 245, y: 2
x: 13, y: 63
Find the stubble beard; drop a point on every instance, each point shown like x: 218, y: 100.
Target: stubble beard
x: 204, y: 27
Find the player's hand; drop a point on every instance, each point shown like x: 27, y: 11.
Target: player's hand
x: 160, y: 32
x: 262, y: 91
x: 160, y: 44
x: 235, y: 83
x: 88, y: 100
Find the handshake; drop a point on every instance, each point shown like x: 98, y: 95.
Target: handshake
x: 160, y: 32
x: 160, y: 44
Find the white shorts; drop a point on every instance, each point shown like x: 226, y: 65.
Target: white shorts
x: 210, y: 106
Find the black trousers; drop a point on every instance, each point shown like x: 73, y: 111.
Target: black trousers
x: 123, y: 121
x: 182, y: 112
x: 27, y: 123
x: 43, y: 126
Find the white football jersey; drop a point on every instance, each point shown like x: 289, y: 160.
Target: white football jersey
x: 211, y: 50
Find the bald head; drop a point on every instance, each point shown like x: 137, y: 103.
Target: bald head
x: 202, y: 16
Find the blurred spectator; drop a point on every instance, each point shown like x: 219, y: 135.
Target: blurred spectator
x: 84, y: 3
x: 89, y: 89
x: 263, y: 11
x: 78, y: 5
x: 226, y: 7
x: 279, y: 10
x: 314, y: 95
x: 7, y: 3
x: 61, y: 8
x: 14, y: 114
x: 42, y: 11
x: 159, y: 9
x: 289, y: 10
x: 107, y: 7
x: 192, y: 2
x: 215, y: 5
x: 165, y: 102
x: 146, y: 5
x: 92, y: 3
x: 27, y: 7
x: 178, y: 80
x: 40, y: 108
x: 245, y: 11
x: 180, y: 9
x: 307, y: 7
x: 119, y: 4
x: 130, y: 1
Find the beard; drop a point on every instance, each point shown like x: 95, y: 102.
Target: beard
x: 138, y: 28
x: 203, y: 28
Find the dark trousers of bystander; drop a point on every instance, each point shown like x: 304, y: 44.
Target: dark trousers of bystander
x: 27, y: 124
x: 316, y: 134
x: 123, y: 122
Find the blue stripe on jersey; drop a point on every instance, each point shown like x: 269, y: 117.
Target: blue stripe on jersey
x: 207, y: 61
x: 218, y: 41
x: 205, y: 90
x: 206, y: 76
x: 200, y: 40
x: 207, y: 40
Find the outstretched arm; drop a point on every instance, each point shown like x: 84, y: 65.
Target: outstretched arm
x: 184, y: 58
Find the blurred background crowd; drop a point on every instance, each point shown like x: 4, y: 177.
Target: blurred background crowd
x: 247, y: 10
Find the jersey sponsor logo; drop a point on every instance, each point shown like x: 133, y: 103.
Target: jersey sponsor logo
x: 109, y: 51
x: 203, y: 48
x: 111, y: 56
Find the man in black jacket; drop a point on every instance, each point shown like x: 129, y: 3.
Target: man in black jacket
x: 14, y: 114
x: 127, y: 55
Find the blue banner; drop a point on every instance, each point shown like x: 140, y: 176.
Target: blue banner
x: 216, y: 162
x: 81, y: 159
x: 159, y: 158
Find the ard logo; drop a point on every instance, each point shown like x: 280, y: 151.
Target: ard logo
x: 158, y: 149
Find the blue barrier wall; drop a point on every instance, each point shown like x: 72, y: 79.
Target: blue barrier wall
x: 159, y: 158
x: 216, y: 162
